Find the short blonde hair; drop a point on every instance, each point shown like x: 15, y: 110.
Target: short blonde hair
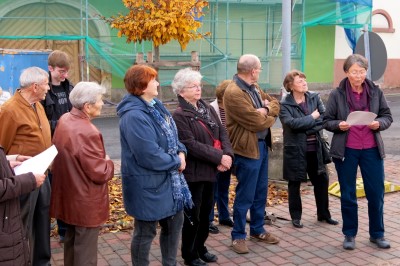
x: 220, y: 90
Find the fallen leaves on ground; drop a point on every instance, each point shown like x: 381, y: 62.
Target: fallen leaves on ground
x: 120, y: 221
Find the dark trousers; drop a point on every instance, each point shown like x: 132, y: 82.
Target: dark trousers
x: 80, y: 246
x: 320, y: 183
x: 143, y: 236
x: 372, y: 172
x: 221, y: 196
x: 36, y: 220
x: 195, y: 225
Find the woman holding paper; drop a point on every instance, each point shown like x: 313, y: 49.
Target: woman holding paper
x: 14, y: 248
x: 81, y: 171
x: 356, y: 146
x: 301, y: 116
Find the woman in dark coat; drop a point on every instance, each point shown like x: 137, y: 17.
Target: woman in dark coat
x: 199, y: 128
x: 14, y: 248
x: 301, y: 116
x: 359, y: 146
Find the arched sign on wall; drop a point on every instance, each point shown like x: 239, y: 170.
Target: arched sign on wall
x: 388, y: 18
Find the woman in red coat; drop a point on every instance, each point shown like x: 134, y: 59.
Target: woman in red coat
x: 81, y: 171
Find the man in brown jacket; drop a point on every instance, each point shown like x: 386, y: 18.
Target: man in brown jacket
x: 26, y: 130
x: 249, y: 115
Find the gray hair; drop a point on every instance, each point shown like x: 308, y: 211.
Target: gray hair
x: 355, y: 59
x: 247, y: 63
x: 32, y: 75
x: 183, y: 77
x: 85, y: 92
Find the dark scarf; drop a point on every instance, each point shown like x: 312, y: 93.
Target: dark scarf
x: 251, y: 90
x: 200, y: 110
x: 355, y: 105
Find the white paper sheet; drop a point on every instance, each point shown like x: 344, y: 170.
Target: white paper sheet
x: 39, y: 163
x: 360, y: 118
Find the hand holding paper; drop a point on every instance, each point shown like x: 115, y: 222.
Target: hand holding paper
x: 360, y: 118
x: 39, y: 163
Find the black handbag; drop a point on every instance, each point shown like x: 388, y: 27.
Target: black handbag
x: 324, y: 148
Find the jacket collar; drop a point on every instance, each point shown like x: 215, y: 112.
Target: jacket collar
x: 21, y: 99
x: 79, y: 113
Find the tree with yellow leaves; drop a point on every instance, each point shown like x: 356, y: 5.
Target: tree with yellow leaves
x: 160, y: 21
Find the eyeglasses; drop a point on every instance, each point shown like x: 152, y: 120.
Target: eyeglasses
x: 356, y: 73
x: 200, y: 86
x: 62, y: 71
x: 259, y: 68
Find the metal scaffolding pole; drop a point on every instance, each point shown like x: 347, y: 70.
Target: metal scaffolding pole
x: 286, y: 35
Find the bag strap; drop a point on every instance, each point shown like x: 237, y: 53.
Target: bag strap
x: 208, y: 131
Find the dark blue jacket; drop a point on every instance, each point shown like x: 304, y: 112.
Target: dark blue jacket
x: 145, y: 163
x: 337, y: 110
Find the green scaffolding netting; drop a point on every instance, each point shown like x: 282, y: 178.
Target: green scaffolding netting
x: 237, y: 27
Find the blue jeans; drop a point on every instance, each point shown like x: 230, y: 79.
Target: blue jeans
x: 371, y: 166
x: 144, y: 234
x: 221, y: 196
x: 251, y: 193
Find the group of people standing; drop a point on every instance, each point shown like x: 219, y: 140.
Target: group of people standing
x: 209, y: 142
x: 175, y: 167
x: 46, y: 110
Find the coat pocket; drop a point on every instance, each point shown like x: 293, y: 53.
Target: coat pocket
x: 291, y: 161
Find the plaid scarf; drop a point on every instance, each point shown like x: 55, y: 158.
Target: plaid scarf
x: 180, y: 190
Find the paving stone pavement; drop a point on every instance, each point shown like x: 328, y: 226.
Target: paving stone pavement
x: 316, y: 244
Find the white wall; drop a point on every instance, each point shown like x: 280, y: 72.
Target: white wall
x: 391, y: 40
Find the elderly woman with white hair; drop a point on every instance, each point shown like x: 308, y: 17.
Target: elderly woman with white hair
x: 81, y: 171
x: 209, y: 151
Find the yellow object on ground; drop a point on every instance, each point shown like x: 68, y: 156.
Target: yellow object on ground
x: 334, y: 188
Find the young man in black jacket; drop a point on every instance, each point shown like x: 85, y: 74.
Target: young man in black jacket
x: 57, y: 101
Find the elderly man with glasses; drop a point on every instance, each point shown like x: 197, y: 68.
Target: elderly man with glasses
x: 250, y: 113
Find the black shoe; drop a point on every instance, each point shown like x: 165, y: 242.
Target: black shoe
x: 329, y: 221
x: 196, y: 262
x: 349, y: 242
x: 297, y: 223
x: 228, y: 222
x: 380, y: 242
x: 208, y: 257
x: 213, y: 229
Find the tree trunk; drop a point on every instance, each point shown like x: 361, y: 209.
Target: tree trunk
x: 156, y: 54
x: 157, y: 59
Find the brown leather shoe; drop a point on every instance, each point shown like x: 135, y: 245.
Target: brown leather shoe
x: 266, y: 237
x: 240, y: 246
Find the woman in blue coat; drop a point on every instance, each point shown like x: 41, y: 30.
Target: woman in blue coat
x: 152, y: 161
x: 301, y: 116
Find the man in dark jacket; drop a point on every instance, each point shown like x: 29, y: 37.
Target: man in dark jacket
x: 14, y: 248
x: 57, y: 101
